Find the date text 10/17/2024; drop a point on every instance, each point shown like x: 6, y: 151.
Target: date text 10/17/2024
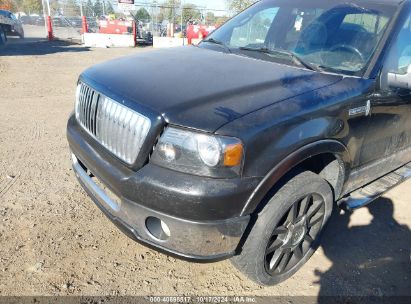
x: 199, y: 299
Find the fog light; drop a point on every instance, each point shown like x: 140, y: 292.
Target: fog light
x: 158, y: 229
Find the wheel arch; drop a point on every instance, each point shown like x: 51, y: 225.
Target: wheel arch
x: 325, y: 157
x: 6, y: 27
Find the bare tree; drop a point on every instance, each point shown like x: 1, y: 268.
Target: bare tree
x: 237, y: 6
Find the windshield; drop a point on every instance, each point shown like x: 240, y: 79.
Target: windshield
x: 335, y: 36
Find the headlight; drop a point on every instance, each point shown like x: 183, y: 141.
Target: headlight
x: 199, y: 153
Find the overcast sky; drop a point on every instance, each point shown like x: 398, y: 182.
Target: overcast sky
x: 211, y: 4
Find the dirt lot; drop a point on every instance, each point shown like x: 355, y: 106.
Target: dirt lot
x: 54, y: 241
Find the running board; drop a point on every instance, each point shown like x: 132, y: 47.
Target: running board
x: 371, y: 192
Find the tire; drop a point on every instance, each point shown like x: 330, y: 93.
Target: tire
x: 3, y: 36
x: 286, y: 232
x: 21, y: 35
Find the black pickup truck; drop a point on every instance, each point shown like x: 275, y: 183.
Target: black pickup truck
x: 242, y: 146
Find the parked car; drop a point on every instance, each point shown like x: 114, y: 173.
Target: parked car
x: 59, y: 21
x: 241, y: 147
x: 26, y: 20
x: 39, y: 21
x: 92, y: 23
x: 63, y: 21
x: 75, y: 21
x: 13, y: 26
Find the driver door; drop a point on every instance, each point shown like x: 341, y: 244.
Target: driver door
x: 387, y: 145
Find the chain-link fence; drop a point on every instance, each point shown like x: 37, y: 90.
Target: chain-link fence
x: 153, y: 18
x: 157, y: 15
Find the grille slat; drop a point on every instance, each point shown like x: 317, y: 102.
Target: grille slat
x: 86, y: 109
x: 116, y: 132
x: 93, y: 113
x: 86, y: 92
x: 84, y: 104
x: 110, y: 125
x: 80, y: 104
x: 91, y: 96
x: 89, y: 113
x: 83, y: 111
x: 122, y: 132
x: 116, y: 127
x: 120, y: 128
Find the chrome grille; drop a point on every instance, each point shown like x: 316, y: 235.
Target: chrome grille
x: 86, y: 107
x: 118, y: 128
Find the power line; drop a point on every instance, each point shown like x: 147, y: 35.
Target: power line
x: 167, y: 6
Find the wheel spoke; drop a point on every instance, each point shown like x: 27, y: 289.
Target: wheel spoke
x: 308, y: 238
x: 276, y: 258
x: 314, y: 209
x: 315, y: 219
x: 298, y: 252
x: 274, y: 246
x: 284, y: 261
x: 304, y: 205
x: 280, y: 230
x: 292, y: 214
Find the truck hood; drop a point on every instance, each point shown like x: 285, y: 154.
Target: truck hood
x: 200, y: 88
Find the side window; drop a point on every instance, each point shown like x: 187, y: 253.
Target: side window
x: 369, y: 23
x: 400, y: 54
x: 254, y: 30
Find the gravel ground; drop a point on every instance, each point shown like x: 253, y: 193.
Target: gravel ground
x: 54, y: 241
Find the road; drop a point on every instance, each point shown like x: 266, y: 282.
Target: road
x: 54, y: 241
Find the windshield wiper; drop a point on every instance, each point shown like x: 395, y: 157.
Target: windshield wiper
x: 297, y: 59
x: 218, y: 42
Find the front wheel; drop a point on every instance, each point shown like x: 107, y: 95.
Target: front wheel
x: 287, y: 230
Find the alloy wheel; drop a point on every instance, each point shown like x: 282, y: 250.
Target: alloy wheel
x: 293, y: 238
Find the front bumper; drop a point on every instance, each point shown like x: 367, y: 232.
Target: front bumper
x: 194, y: 241
x: 202, y: 214
x: 180, y: 195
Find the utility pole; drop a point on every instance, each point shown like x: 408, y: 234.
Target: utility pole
x: 45, y: 16
x: 48, y: 7
x: 81, y: 8
x: 182, y: 20
x: 182, y: 13
x: 173, y: 13
x: 155, y: 2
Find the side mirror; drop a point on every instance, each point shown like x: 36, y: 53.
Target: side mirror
x: 402, y: 81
